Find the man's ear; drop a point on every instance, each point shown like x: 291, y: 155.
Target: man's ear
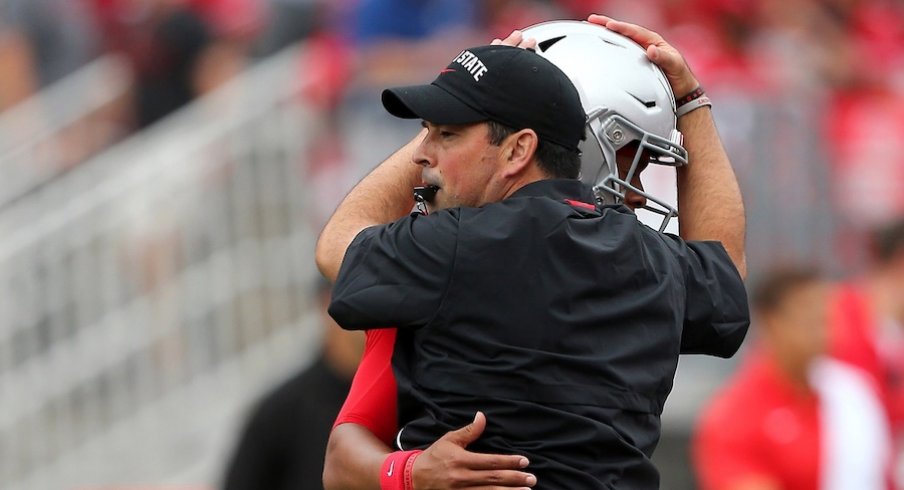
x: 520, y: 150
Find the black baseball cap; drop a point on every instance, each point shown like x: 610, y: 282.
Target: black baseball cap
x: 512, y: 86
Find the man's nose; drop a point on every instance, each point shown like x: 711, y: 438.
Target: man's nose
x: 421, y: 157
x: 633, y: 199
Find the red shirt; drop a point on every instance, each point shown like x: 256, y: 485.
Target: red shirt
x: 372, y: 398
x: 759, y: 425
x: 856, y: 337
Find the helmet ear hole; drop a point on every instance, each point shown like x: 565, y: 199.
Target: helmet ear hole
x: 546, y: 44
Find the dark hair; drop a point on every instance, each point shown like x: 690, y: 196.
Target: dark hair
x: 772, y: 290
x: 555, y: 160
x: 888, y: 241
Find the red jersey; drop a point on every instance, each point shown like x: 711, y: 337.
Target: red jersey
x: 859, y: 339
x: 760, y: 425
x: 832, y: 436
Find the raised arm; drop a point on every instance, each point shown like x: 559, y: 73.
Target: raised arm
x: 384, y: 195
x: 709, y: 198
x: 708, y: 193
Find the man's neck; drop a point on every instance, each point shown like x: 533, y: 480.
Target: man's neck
x: 796, y: 371
x: 882, y: 292
x: 528, y: 177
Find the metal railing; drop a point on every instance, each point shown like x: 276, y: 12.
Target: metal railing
x: 147, y: 293
x: 61, y: 126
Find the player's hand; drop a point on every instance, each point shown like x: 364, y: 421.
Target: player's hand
x: 516, y: 39
x: 446, y: 464
x: 660, y: 52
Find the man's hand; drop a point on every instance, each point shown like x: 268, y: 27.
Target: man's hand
x: 446, y: 464
x: 516, y: 39
x: 660, y: 52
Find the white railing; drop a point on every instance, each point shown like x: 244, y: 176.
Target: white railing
x: 62, y: 125
x: 146, y: 294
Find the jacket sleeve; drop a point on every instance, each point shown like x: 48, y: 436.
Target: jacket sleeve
x: 396, y: 275
x: 716, y: 310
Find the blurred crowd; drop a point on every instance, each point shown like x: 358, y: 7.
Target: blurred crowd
x: 177, y: 49
x: 838, y: 62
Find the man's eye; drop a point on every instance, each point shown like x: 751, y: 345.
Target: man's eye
x: 446, y: 134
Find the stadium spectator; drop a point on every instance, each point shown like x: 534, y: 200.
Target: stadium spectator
x: 868, y: 326
x: 396, y: 39
x: 791, y: 418
x: 41, y: 41
x: 290, y: 21
x: 498, y: 16
x: 178, y: 49
x: 284, y: 439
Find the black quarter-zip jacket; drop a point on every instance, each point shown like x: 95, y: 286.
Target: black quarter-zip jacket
x: 561, y: 320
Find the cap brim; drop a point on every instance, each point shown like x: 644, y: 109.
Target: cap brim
x: 430, y: 103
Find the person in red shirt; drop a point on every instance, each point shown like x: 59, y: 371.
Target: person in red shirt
x: 791, y: 418
x: 867, y: 325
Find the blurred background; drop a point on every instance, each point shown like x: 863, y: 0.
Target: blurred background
x: 166, y: 165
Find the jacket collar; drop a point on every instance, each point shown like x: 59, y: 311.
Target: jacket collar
x: 558, y: 189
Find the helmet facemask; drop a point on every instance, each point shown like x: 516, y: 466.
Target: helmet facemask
x: 609, y: 132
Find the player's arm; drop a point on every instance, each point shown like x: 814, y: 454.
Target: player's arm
x: 355, y: 461
x: 708, y: 193
x: 383, y: 196
x: 709, y: 197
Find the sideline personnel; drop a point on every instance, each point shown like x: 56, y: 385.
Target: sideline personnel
x: 518, y: 295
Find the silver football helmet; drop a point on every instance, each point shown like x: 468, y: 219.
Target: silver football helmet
x: 627, y: 99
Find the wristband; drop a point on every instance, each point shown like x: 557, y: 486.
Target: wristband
x: 408, y: 473
x: 395, y: 474
x: 693, y: 95
x: 693, y: 105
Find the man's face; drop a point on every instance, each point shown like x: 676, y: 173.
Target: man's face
x: 460, y: 160
x: 798, y: 327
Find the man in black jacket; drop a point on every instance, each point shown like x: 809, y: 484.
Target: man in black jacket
x: 520, y: 294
